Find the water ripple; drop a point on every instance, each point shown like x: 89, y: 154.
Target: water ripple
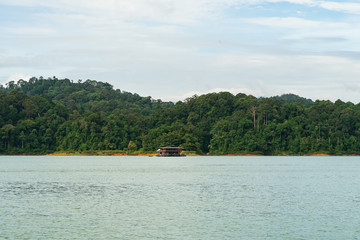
x: 205, y: 198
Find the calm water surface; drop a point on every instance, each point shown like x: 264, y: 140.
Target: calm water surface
x: 179, y: 198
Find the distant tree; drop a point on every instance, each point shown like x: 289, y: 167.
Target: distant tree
x: 132, y: 147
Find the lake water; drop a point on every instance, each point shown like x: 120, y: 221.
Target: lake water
x: 72, y: 197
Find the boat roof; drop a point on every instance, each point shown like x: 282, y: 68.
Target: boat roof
x: 180, y: 148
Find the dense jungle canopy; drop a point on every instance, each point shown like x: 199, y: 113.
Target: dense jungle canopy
x: 42, y: 116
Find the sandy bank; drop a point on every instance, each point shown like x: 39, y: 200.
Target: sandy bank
x: 99, y: 154
x: 320, y: 155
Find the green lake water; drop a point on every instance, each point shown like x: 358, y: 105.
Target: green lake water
x: 76, y: 197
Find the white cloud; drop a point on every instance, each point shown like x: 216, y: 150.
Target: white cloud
x: 17, y: 76
x: 341, y: 6
x: 179, y: 11
x: 311, y: 76
x: 171, y: 11
x: 38, y: 31
x: 150, y: 46
x: 292, y: 22
x: 348, y: 7
x: 304, y: 2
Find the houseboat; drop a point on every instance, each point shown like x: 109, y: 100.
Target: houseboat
x: 170, y: 152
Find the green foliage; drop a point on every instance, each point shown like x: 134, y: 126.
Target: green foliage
x: 49, y: 115
x: 132, y: 147
x: 292, y: 98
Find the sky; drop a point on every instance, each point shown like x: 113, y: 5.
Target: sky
x: 174, y: 49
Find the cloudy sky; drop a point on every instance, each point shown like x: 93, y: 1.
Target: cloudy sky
x: 173, y: 49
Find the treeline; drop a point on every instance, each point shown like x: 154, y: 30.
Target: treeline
x: 48, y: 115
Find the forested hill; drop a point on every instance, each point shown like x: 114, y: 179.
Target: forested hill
x: 292, y: 98
x: 48, y: 115
x: 90, y: 95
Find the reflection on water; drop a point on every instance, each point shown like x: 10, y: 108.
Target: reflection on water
x: 187, y: 198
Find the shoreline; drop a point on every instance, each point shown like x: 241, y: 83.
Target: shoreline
x: 209, y: 155
x: 119, y: 154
